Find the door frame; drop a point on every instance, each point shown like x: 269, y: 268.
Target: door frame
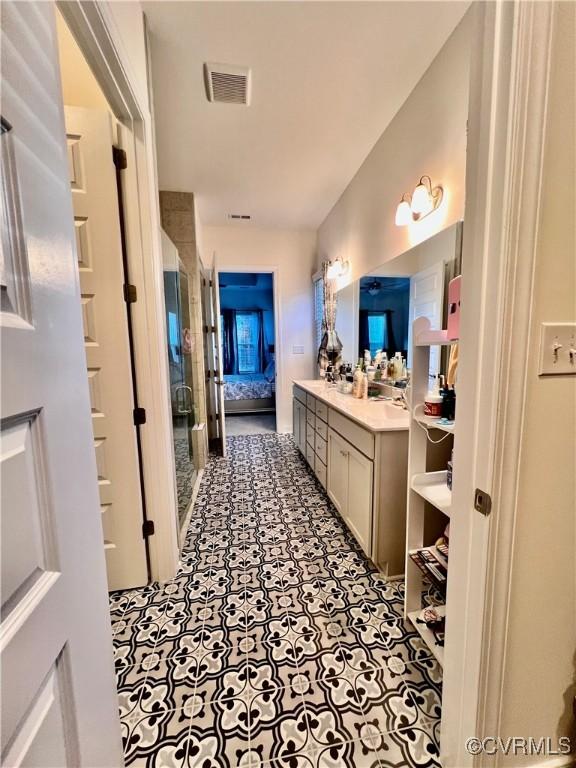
x: 506, y: 129
x: 95, y: 32
x: 275, y: 272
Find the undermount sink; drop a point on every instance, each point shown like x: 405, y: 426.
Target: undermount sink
x: 392, y: 411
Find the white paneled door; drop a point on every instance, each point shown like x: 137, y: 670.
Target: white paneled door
x: 107, y: 343
x: 426, y: 300
x: 58, y: 696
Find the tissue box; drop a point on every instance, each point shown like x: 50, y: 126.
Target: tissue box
x: 454, y: 308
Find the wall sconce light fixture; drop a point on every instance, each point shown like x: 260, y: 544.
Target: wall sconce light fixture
x: 423, y: 201
x: 337, y: 268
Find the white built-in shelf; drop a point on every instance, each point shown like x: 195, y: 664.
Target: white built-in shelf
x: 432, y: 487
x: 424, y: 336
x: 438, y: 555
x: 431, y: 338
x: 431, y: 422
x: 427, y: 634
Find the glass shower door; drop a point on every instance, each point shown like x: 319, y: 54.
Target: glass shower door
x: 176, y: 292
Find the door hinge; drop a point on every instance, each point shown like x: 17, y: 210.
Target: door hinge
x: 139, y: 416
x: 482, y: 502
x: 148, y: 528
x: 119, y: 158
x: 130, y: 293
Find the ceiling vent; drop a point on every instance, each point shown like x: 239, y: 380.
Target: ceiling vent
x: 227, y: 84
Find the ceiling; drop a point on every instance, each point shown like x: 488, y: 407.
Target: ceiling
x: 327, y: 78
x: 245, y: 281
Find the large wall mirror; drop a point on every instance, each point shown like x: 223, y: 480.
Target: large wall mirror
x: 377, y: 311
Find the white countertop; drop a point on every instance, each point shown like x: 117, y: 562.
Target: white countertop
x: 375, y: 415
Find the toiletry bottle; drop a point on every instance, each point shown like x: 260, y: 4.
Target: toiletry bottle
x: 367, y: 358
x: 365, y: 386
x: 357, y: 381
x: 370, y: 372
x: 384, y: 365
x: 433, y: 401
x: 378, y: 373
x: 448, y: 403
x: 398, y: 366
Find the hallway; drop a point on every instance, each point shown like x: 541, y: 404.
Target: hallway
x: 277, y: 643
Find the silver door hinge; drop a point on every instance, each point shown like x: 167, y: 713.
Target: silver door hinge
x: 482, y: 502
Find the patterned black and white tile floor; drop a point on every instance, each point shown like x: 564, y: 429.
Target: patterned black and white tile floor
x: 278, y: 643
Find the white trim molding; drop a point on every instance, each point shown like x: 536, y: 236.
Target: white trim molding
x: 93, y: 28
x: 523, y: 133
x: 507, y: 111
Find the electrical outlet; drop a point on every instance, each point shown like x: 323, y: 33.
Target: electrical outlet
x: 557, y: 349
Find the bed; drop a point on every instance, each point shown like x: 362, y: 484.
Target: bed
x: 248, y: 392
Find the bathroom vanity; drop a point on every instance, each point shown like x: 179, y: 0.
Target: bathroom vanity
x: 358, y: 450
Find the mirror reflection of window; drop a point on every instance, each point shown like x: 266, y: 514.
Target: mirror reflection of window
x: 174, y: 337
x: 383, y: 314
x: 377, y: 336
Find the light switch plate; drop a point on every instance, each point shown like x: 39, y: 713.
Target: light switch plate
x: 297, y: 349
x: 557, y: 361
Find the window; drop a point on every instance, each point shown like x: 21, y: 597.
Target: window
x: 318, y: 310
x: 247, y: 336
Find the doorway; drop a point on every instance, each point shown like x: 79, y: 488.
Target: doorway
x: 96, y: 166
x: 248, y: 351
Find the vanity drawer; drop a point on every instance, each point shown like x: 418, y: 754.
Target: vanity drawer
x: 320, y: 448
x: 321, y: 410
x: 321, y: 428
x: 311, y: 402
x: 320, y: 471
x: 354, y: 433
x: 311, y: 418
x: 299, y: 394
x: 310, y: 455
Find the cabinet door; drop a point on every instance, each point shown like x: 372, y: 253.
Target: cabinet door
x: 337, y: 483
x: 296, y: 421
x: 359, y: 502
x: 302, y: 418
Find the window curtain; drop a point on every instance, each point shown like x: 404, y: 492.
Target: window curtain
x: 330, y: 351
x: 229, y: 341
x: 261, y: 342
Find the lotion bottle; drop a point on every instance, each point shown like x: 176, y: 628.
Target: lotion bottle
x: 357, y: 382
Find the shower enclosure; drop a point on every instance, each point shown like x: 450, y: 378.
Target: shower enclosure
x: 179, y: 341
